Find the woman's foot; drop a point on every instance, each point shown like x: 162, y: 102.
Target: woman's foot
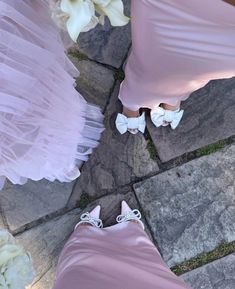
x: 91, y: 219
x: 166, y: 114
x: 130, y: 121
x: 127, y: 215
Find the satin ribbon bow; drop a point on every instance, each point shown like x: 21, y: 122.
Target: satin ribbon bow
x: 87, y: 218
x: 124, y: 123
x: 134, y: 215
x: 160, y: 116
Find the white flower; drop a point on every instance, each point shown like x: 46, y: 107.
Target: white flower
x: 81, y: 16
x: 16, y: 269
x: 59, y: 17
x: 3, y: 284
x: 6, y: 238
x: 9, y: 252
x: 114, y: 9
x: 19, y: 272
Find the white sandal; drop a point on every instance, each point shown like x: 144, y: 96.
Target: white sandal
x: 131, y: 124
x: 129, y: 215
x: 165, y: 117
x: 91, y: 218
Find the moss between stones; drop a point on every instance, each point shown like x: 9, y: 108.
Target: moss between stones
x: 84, y: 201
x: 119, y: 75
x: 205, y: 258
x: 152, y: 150
x: 210, y: 148
x: 75, y: 53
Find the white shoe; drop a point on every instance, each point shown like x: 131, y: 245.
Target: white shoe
x: 131, y: 124
x: 127, y: 214
x: 164, y: 117
x: 92, y: 218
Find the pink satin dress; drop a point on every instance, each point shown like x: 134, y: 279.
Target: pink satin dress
x: 177, y: 47
x: 118, y: 257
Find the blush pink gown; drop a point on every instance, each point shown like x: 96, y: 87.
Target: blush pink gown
x: 177, y: 47
x: 118, y: 257
x: 47, y: 129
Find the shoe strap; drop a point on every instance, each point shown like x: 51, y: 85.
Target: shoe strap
x: 87, y: 218
x: 133, y: 215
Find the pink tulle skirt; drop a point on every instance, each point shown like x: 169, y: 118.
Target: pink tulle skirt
x: 47, y: 129
x: 177, y: 47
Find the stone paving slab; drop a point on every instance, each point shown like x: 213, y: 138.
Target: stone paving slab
x: 118, y: 161
x: 47, y: 280
x: 24, y: 204
x: 45, y: 242
x: 94, y: 82
x: 191, y: 208
x: 209, y: 117
x: 216, y: 275
x: 107, y: 44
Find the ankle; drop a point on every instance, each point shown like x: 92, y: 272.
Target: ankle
x: 130, y: 113
x: 170, y: 107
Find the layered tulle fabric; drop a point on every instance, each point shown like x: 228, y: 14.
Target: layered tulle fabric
x: 117, y: 257
x: 177, y: 47
x: 46, y: 127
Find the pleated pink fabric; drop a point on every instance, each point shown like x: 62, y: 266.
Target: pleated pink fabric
x: 117, y: 257
x: 177, y: 47
x: 46, y: 127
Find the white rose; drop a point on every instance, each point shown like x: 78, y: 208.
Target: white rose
x: 6, y: 238
x: 19, y: 272
x: 3, y: 284
x: 9, y: 252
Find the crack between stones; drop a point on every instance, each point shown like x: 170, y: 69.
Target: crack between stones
x: 199, y: 260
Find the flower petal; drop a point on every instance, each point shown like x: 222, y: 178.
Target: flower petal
x: 115, y: 12
x: 9, y: 252
x: 80, y: 14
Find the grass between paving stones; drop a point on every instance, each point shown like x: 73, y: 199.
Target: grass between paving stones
x: 151, y: 147
x: 119, y: 75
x: 211, y: 148
x: 204, y: 151
x: 84, y: 201
x: 205, y: 258
x: 152, y: 150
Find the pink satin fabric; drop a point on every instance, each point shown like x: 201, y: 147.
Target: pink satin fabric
x: 177, y: 47
x: 117, y: 257
x: 47, y: 129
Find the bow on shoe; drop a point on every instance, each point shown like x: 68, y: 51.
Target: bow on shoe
x: 86, y: 217
x: 124, y: 123
x: 161, y: 116
x: 132, y: 215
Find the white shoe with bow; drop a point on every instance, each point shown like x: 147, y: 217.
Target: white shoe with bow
x: 164, y: 117
x: 127, y: 214
x: 131, y: 124
x: 92, y: 218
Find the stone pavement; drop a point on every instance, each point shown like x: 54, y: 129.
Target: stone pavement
x: 182, y: 180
